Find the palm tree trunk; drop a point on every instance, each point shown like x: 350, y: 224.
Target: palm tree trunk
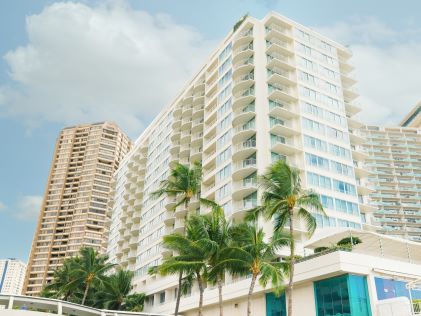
x: 251, y: 289
x: 177, y: 302
x: 221, y: 308
x: 291, y: 265
x: 85, y: 294
x: 201, y: 290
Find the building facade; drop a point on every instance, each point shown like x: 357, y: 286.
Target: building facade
x: 413, y: 118
x: 395, y: 165
x: 273, y: 89
x: 12, y: 275
x: 74, y: 209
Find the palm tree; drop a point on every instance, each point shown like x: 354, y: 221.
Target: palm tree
x: 193, y: 251
x: 63, y: 285
x: 218, y: 229
x: 134, y: 302
x: 115, y: 289
x: 250, y: 254
x: 284, y: 200
x: 183, y: 183
x: 90, y: 269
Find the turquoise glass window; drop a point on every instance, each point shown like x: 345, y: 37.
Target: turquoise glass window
x: 275, y: 306
x: 345, y: 295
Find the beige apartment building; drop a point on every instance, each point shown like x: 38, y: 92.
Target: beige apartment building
x: 74, y: 210
x: 273, y: 89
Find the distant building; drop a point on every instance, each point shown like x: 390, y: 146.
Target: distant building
x: 74, y: 210
x: 12, y: 275
x: 413, y: 118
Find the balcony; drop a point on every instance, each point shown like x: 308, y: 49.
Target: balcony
x: 282, y: 92
x: 244, y: 132
x: 243, y: 82
x: 281, y: 108
x: 243, y: 98
x: 351, y: 109
x: 275, y: 46
x: 242, y: 38
x: 243, y: 66
x: 243, y: 52
x: 244, y: 149
x: 244, y: 168
x: 275, y: 31
x: 281, y: 127
x: 244, y: 115
x: 277, y: 60
x: 244, y: 188
x: 280, y: 76
x: 285, y: 146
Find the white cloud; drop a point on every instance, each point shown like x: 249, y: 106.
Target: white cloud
x: 387, y: 65
x: 85, y: 64
x: 27, y: 207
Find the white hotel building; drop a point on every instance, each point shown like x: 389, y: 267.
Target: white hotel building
x: 273, y: 89
x: 12, y: 276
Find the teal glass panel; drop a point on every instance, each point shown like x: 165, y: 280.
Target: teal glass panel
x: 344, y: 295
x: 275, y: 306
x: 358, y: 295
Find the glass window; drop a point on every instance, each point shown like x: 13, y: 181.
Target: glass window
x: 223, y: 173
x: 326, y: 201
x: 315, y: 143
x: 344, y: 187
x: 275, y: 306
x: 250, y: 201
x: 276, y: 139
x: 226, y: 154
x: 317, y: 161
x: 344, y: 295
x: 313, y: 126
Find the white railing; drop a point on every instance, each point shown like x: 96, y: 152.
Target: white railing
x: 59, y: 307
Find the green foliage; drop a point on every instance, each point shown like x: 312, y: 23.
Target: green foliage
x: 134, y: 302
x: 239, y: 22
x: 320, y: 249
x: 86, y: 279
x: 349, y: 241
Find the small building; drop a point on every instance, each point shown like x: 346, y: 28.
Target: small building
x: 334, y: 282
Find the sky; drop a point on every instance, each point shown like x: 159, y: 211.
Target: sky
x: 67, y: 62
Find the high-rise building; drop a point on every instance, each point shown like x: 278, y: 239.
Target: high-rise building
x: 273, y: 89
x: 395, y: 174
x: 413, y: 118
x: 74, y: 210
x: 12, y: 275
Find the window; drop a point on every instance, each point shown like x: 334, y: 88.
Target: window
x: 312, y: 109
x: 162, y: 297
x: 250, y: 201
x: 313, y: 126
x: 317, y: 180
x: 304, y: 49
x: 224, y: 94
x: 227, y: 51
x: 226, y: 154
x: 223, y: 139
x: 276, y: 139
x: 346, y: 207
x: 275, y: 157
x: 224, y: 123
x: 317, y: 161
x: 327, y: 201
x: 344, y: 187
x: 339, y: 151
x: 223, y: 173
x: 307, y: 77
x: 225, y: 79
x: 275, y: 121
x: 341, y: 169
x: 308, y: 64
x: 309, y: 93
x: 342, y: 295
x: 224, y: 108
x: 337, y: 134
x: 227, y: 207
x: 315, y: 143
x: 223, y: 191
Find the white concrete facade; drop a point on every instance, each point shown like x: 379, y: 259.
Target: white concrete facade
x: 12, y: 276
x: 273, y: 89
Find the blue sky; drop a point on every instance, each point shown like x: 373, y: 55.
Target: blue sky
x: 72, y: 62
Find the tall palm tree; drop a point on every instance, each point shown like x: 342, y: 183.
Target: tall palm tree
x: 218, y: 229
x: 115, y: 289
x: 183, y: 183
x: 90, y: 268
x: 193, y: 251
x: 251, y: 254
x: 284, y: 201
x: 64, y: 284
